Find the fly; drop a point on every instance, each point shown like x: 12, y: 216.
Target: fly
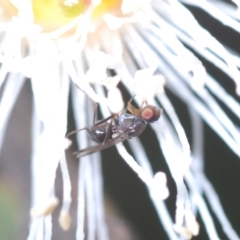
x: 118, y: 127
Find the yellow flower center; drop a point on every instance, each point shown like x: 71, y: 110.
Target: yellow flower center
x: 51, y: 14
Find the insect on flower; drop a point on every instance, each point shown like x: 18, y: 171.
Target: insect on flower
x: 122, y: 126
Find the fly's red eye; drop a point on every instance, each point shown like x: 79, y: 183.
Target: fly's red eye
x: 150, y: 113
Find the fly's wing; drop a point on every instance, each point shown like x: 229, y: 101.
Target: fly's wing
x: 99, y: 147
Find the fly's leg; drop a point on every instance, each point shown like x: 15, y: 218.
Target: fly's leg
x: 78, y: 130
x: 109, y: 127
x: 129, y: 104
x: 85, y: 128
x: 133, y: 110
x: 144, y: 102
x: 108, y: 131
x: 95, y: 113
x: 98, y: 122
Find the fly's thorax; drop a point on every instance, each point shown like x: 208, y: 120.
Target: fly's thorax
x: 131, y: 124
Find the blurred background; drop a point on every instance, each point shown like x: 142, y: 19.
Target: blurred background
x: 129, y: 212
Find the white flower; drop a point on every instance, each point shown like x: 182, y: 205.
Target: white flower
x: 156, y: 50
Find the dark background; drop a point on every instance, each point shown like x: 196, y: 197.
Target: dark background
x: 130, y: 213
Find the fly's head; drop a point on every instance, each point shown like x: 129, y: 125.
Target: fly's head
x: 150, y: 113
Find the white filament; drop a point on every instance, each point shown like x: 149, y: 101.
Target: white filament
x: 158, y: 42
x: 90, y: 179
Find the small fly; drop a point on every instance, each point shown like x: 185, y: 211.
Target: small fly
x: 118, y: 127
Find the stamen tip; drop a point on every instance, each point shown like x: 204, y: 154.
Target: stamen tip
x: 64, y: 220
x: 46, y: 209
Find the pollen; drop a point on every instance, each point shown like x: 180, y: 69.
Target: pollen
x: 64, y: 220
x: 52, y: 14
x: 45, y: 209
x: 8, y: 10
x: 107, y: 6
